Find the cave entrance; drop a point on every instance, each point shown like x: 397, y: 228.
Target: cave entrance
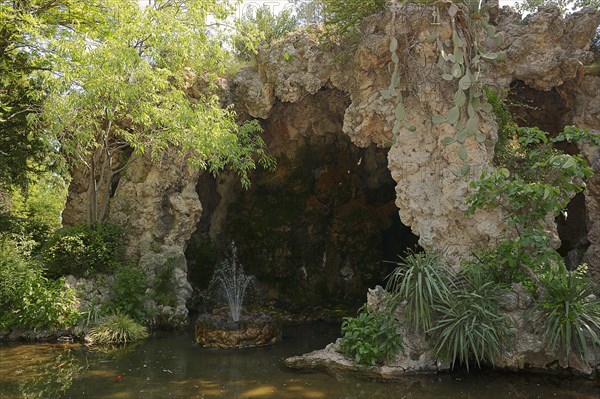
x: 319, y: 230
x: 549, y: 112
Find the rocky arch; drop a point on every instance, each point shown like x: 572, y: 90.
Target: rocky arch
x: 319, y: 228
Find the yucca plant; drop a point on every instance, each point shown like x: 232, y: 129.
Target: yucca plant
x: 422, y: 280
x: 117, y: 328
x: 568, y: 317
x: 471, y: 325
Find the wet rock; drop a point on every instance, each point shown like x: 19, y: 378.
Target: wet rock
x: 218, y: 331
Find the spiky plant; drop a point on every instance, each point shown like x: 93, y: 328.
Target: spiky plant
x: 471, y: 326
x: 568, y: 317
x: 117, y: 328
x: 422, y: 280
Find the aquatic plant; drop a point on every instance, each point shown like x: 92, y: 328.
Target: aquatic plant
x: 117, y: 328
x: 233, y: 282
x: 422, y: 280
x: 372, y: 336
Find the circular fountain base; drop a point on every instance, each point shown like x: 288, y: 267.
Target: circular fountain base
x: 218, y: 331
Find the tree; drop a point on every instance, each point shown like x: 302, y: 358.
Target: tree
x: 261, y: 27
x: 123, y: 87
x: 24, y: 26
x: 563, y: 5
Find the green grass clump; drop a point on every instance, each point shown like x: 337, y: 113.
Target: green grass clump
x: 422, y: 280
x: 471, y: 325
x: 117, y: 329
x: 568, y: 316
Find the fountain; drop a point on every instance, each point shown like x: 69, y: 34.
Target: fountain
x: 234, y: 329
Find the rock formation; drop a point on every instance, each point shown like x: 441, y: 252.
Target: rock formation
x: 159, y: 206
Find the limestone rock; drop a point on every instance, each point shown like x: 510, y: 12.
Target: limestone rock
x: 158, y: 205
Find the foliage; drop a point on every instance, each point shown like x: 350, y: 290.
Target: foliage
x: 540, y: 183
x: 462, y: 62
x: 28, y: 299
x: 422, y: 280
x: 117, y: 328
x: 568, y: 317
x: 471, y: 325
x: 128, y: 292
x: 344, y: 15
x: 563, y: 5
x: 261, y: 27
x: 164, y: 285
x: 84, y: 250
x: 43, y: 201
x: 124, y: 85
x: 371, y: 337
x: 24, y: 150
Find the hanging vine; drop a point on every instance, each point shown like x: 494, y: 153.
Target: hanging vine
x: 470, y: 33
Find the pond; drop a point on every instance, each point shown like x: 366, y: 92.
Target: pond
x: 171, y: 366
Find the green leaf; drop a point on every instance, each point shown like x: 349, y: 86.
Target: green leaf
x: 480, y: 137
x: 386, y: 94
x: 459, y: 98
x: 437, y: 119
x: 465, y: 169
x: 462, y: 153
x: 465, y: 82
x: 461, y: 135
x: 395, y: 58
x: 393, y: 45
x: 448, y: 140
x: 472, y: 124
x: 447, y: 76
x: 453, y: 115
x: 400, y: 112
x: 457, y: 70
x: 489, y: 56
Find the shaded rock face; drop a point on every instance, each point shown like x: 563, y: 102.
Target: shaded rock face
x: 318, y: 228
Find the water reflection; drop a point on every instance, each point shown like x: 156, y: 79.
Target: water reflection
x: 170, y: 366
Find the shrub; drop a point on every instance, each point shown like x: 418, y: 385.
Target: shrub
x: 568, y: 317
x: 29, y: 300
x: 117, y: 329
x: 261, y: 28
x: 84, y: 250
x: 344, y: 15
x: 128, y: 292
x: 371, y: 337
x: 471, y: 325
x: 422, y: 280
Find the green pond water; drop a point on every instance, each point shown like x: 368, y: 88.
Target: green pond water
x: 171, y: 366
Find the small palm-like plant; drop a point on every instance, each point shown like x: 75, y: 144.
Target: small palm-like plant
x: 568, y: 316
x: 422, y: 280
x: 471, y: 325
x: 117, y: 328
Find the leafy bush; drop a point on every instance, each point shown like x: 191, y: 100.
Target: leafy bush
x: 344, y: 15
x: 117, y: 329
x: 371, y: 337
x: 29, y: 300
x: 84, y: 250
x: 471, y: 325
x: 128, y: 292
x: 261, y: 28
x: 568, y: 317
x: 422, y: 280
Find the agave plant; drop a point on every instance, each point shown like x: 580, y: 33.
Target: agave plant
x: 568, y: 317
x: 117, y: 328
x: 422, y: 280
x: 471, y: 325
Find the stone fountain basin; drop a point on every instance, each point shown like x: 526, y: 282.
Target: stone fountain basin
x: 219, y: 331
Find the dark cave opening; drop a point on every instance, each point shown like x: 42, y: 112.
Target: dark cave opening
x: 319, y: 230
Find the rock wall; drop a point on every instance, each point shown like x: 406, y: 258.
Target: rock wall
x: 160, y: 208
x: 429, y: 195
